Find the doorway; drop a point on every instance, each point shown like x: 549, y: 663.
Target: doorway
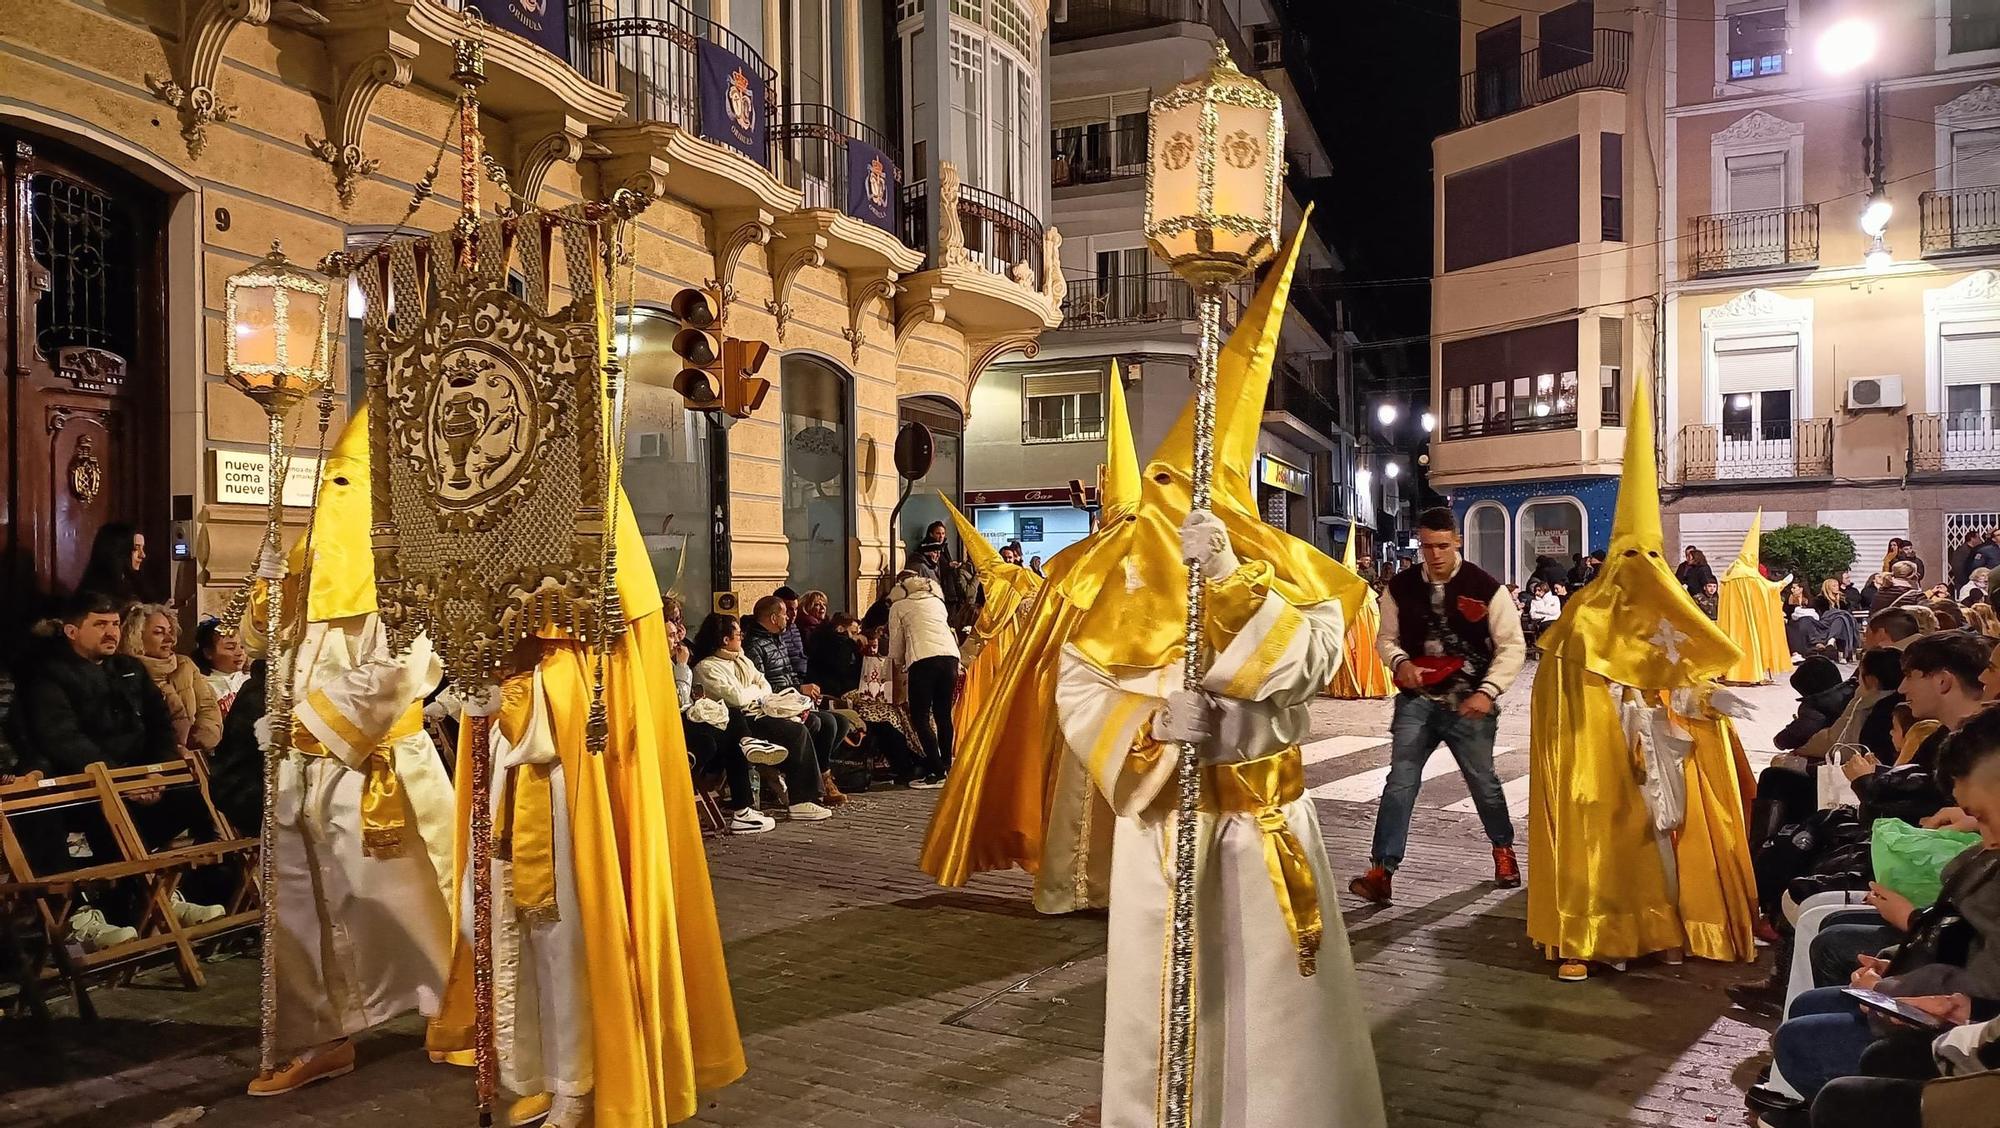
x: 83, y: 427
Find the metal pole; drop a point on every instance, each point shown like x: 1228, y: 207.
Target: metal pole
x: 1180, y: 959
x: 278, y: 670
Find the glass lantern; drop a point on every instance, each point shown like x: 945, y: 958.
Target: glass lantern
x: 276, y: 348
x: 1217, y: 144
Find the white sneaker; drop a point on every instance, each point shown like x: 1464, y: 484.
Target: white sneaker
x: 89, y: 930
x: 763, y: 753
x: 190, y: 914
x: 927, y: 783
x: 810, y: 812
x: 750, y: 820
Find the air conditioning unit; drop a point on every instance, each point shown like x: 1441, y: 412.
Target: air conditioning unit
x: 1874, y: 393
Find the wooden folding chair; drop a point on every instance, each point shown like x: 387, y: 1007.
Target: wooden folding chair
x: 229, y: 848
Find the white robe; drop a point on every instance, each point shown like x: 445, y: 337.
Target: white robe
x: 541, y: 991
x: 1273, y: 1047
x: 360, y: 939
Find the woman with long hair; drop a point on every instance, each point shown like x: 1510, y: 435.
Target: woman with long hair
x: 723, y: 672
x: 116, y: 555
x: 150, y: 636
x: 1694, y: 572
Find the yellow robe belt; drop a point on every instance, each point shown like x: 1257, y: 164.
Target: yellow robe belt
x: 382, y: 806
x: 1262, y: 787
x: 525, y: 837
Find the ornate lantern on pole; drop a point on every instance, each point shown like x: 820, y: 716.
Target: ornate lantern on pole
x: 277, y: 352
x: 1212, y: 212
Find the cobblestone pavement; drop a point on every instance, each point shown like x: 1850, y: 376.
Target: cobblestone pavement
x: 869, y: 997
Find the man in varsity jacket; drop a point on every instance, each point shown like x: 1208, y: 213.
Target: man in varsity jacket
x: 1451, y: 637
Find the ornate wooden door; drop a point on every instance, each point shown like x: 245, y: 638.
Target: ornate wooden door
x: 83, y: 338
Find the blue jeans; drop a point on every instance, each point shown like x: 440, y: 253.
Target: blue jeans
x: 1823, y: 1037
x: 1418, y: 727
x: 1842, y: 939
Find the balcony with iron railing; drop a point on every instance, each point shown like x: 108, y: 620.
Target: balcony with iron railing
x: 1959, y: 219
x: 1543, y: 75
x: 1108, y: 17
x: 1000, y: 235
x: 1096, y: 154
x: 1035, y: 432
x: 1948, y: 442
x: 1738, y: 242
x: 1759, y: 450
x: 657, y: 61
x: 840, y: 163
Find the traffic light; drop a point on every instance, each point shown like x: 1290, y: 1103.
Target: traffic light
x: 743, y: 391
x: 700, y: 380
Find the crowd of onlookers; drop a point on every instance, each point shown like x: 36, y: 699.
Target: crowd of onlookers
x: 1876, y: 845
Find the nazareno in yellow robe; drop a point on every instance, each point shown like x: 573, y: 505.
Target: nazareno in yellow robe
x: 662, y: 1019
x: 1362, y: 674
x: 1599, y: 887
x: 1750, y: 610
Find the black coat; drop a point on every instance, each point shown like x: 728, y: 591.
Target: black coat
x: 773, y: 659
x: 1694, y: 576
x: 834, y: 662
x: 236, y: 767
x: 74, y: 713
x: 1817, y: 712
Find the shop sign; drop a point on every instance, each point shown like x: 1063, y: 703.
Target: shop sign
x: 1052, y: 495
x: 241, y: 479
x: 1279, y: 474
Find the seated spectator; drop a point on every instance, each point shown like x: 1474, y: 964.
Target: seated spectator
x: 715, y: 737
x: 1950, y: 615
x: 833, y: 657
x: 723, y: 671
x: 1823, y: 697
x: 763, y: 643
x: 236, y: 767
x: 1543, y: 609
x: 923, y: 648
x: 1974, y: 589
x: 1981, y: 617
x: 86, y: 703
x: 222, y: 660
x: 1828, y: 1038
x: 149, y: 634
x: 794, y: 638
x: 1805, y: 633
x: 1886, y: 630
x: 1941, y: 676
x: 1896, y: 586
x: 813, y: 611
x: 116, y: 555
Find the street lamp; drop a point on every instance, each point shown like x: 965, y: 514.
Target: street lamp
x: 1216, y: 145
x: 1429, y: 422
x: 1847, y: 46
x: 276, y: 352
x: 1393, y: 470
x: 1386, y: 414
x: 1878, y: 259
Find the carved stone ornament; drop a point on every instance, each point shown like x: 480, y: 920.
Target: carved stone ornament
x: 792, y: 257
x: 190, y: 89
x: 951, y: 233
x: 1758, y: 126
x: 753, y: 229
x: 1755, y: 305
x: 91, y: 370
x: 1982, y: 101
x: 1024, y: 343
x: 1054, y: 286
x: 86, y: 473
x: 486, y: 435
x: 860, y: 294
x: 347, y: 116
x: 1978, y: 288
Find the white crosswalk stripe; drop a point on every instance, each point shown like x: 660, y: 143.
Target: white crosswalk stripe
x: 1517, y: 798
x: 1364, y: 787
x: 1334, y: 747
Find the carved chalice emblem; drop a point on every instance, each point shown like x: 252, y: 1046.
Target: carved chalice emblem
x: 1241, y: 150
x: 1178, y: 152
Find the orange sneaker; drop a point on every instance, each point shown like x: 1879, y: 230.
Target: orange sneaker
x: 1506, y: 868
x: 1373, y: 886
x: 334, y: 1061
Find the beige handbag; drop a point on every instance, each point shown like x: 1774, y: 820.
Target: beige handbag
x: 1962, y: 1102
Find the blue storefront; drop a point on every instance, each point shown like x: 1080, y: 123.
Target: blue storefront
x: 1508, y: 524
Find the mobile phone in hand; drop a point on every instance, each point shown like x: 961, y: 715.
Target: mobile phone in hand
x: 1896, y: 1009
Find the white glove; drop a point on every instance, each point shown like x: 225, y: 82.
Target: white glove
x: 1730, y: 703
x: 484, y: 704
x: 1205, y: 543
x: 1188, y: 717
x: 262, y: 731
x: 271, y: 563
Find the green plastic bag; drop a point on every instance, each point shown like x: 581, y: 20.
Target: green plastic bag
x: 1908, y: 859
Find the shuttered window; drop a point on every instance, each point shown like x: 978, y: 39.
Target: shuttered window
x: 1757, y: 364
x: 1756, y: 182
x: 1975, y: 158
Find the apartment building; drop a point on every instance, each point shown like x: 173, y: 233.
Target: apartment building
x: 1038, y: 426
x: 1794, y: 207
x: 1824, y: 374
x: 1543, y: 276
x: 808, y: 157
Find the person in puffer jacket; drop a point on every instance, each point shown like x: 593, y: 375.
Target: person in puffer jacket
x: 924, y: 649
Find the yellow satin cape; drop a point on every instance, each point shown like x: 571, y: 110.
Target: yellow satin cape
x: 1751, y: 610
x: 663, y: 1024
x: 1600, y: 889
x: 1362, y: 674
x: 1009, y: 589
x: 1718, y: 887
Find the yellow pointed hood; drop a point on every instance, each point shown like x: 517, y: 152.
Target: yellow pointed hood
x: 1121, y: 456
x: 343, y: 565
x: 1745, y: 564
x: 1140, y: 558
x: 1347, y: 554
x: 979, y: 552
x: 1634, y: 623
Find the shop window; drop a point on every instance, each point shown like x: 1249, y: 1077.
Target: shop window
x: 818, y: 471
x: 669, y: 462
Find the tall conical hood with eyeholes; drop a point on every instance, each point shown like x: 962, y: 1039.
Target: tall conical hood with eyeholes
x: 1634, y: 623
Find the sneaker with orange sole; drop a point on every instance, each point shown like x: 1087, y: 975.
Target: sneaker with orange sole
x: 334, y: 1061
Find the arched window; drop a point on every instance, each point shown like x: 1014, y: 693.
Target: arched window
x: 1486, y: 538
x: 1552, y: 526
x: 947, y: 426
x: 818, y: 476
x: 669, y: 461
